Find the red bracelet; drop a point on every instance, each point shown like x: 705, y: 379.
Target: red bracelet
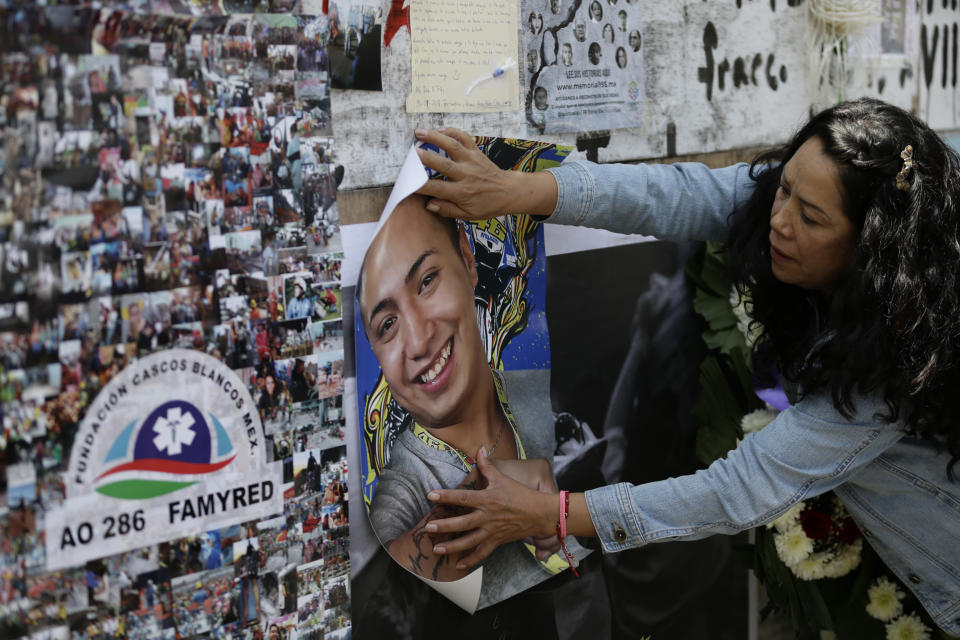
x: 562, y: 530
x: 564, y: 512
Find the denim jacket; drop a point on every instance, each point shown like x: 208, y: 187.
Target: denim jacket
x: 895, y: 487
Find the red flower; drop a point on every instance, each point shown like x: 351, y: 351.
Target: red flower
x: 816, y: 524
x: 848, y: 531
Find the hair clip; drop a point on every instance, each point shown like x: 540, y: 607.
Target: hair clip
x: 908, y: 166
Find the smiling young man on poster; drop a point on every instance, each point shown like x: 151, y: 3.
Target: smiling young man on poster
x: 416, y: 298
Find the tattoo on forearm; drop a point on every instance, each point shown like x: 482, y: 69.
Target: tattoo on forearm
x: 420, y: 558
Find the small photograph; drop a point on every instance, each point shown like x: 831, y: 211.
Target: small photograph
x: 243, y: 251
x: 540, y: 99
x: 336, y: 554
x: 324, y: 236
x: 354, y: 48
x: 309, y: 612
x: 214, y: 212
x: 290, y: 235
x: 236, y: 166
x: 21, y: 486
x: 75, y: 275
x: 109, y: 222
x: 185, y: 305
x: 100, y: 319
x: 25, y: 413
x: 315, y: 117
x: 107, y: 112
x: 261, y: 176
x: 231, y: 343
x: 14, y: 315
x: 237, y: 48
x: 336, y: 603
x: 192, y: 554
x: 282, y: 57
x: 314, y: 35
x: 291, y: 338
x: 201, y: 185
x: 247, y: 587
x: 298, y: 377
x: 236, y: 193
x: 238, y: 127
x: 594, y: 53
x: 39, y: 345
x: 298, y: 295
x: 608, y: 34
x: 203, y: 601
x: 310, y: 578
x: 580, y: 31
x: 308, y: 477
x: 286, y: 207
x: 326, y: 267
x: 274, y: 543
x: 239, y: 219
x: 144, y: 323
x: 293, y: 260
x: 100, y: 72
x: 14, y: 267
x: 263, y: 211
x: 596, y: 11
x: 115, y: 268
x: 327, y: 336
x: 328, y: 305
x: 330, y: 374
x: 284, y: 627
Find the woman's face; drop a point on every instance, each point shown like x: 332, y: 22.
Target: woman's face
x: 811, y: 237
x: 269, y: 384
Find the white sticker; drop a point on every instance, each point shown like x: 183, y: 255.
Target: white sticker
x: 172, y: 446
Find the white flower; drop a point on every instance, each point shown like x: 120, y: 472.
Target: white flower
x: 885, y: 600
x: 813, y: 567
x: 788, y: 519
x: 757, y: 420
x: 793, y: 545
x: 908, y: 627
x: 846, y: 560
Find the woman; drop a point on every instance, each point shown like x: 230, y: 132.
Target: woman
x: 848, y: 239
x: 270, y: 400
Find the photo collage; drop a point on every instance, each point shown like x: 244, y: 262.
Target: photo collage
x: 169, y: 181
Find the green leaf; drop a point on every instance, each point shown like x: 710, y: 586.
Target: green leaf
x: 813, y: 604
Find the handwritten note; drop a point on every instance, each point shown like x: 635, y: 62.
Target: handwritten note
x: 454, y: 44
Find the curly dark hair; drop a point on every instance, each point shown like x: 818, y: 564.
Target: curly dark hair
x: 892, y: 323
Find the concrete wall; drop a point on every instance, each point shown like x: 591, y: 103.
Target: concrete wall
x: 720, y: 75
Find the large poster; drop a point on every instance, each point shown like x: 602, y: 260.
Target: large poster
x: 452, y: 351
x: 172, y: 455
x: 584, y: 64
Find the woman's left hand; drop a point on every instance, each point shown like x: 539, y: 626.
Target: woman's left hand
x: 503, y: 512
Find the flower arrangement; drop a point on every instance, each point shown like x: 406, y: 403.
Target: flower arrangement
x: 812, y: 560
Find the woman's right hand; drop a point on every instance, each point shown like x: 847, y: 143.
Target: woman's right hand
x: 475, y: 188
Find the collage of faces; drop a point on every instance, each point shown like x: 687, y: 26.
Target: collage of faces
x: 570, y: 45
x: 169, y: 181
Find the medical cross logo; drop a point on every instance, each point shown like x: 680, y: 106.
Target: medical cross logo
x: 170, y: 450
x: 171, y: 445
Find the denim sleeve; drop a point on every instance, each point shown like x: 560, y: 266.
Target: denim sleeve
x: 807, y: 450
x: 683, y: 201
